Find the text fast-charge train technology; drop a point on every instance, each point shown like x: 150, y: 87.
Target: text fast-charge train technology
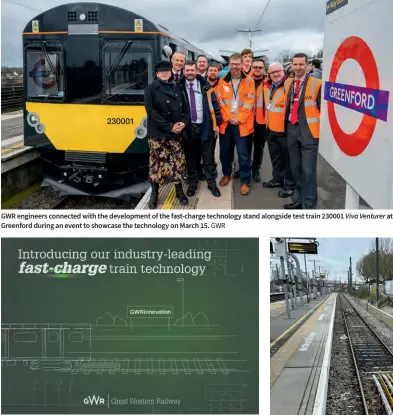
x: 86, y: 66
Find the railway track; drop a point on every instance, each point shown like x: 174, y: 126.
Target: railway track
x: 373, y: 362
x: 61, y: 203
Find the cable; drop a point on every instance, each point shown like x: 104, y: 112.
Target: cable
x: 259, y: 21
x: 22, y: 5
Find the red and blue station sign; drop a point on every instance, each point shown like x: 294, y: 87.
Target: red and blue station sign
x: 370, y: 100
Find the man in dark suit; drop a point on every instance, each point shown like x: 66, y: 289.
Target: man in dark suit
x: 202, y: 131
x: 302, y: 124
x: 178, y: 60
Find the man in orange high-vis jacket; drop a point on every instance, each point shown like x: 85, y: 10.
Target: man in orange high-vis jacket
x: 302, y: 123
x: 236, y: 93
x: 258, y: 139
x: 277, y: 140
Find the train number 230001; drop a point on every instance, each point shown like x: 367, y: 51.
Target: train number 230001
x: 120, y: 121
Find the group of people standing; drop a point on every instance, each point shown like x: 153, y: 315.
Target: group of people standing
x: 191, y: 104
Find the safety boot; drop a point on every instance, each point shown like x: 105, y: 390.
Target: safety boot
x: 154, y: 196
x: 180, y: 194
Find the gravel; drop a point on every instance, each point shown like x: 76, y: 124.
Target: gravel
x: 380, y: 327
x: 83, y: 202
x: 44, y: 198
x: 47, y: 197
x: 343, y: 390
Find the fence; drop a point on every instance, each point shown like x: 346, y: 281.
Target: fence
x: 11, y: 98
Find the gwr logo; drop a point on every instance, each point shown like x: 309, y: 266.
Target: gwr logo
x: 94, y: 400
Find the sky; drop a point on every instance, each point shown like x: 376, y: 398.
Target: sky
x: 209, y: 24
x: 333, y: 256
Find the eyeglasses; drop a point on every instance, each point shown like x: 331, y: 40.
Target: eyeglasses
x: 234, y: 64
x: 257, y: 67
x: 276, y: 72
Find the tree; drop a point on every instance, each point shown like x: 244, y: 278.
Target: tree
x: 367, y: 265
x: 317, y: 55
x: 285, y: 56
x: 385, y: 258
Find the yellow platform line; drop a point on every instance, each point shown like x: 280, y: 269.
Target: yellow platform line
x: 169, y: 199
x: 281, y: 358
x: 5, y: 150
x: 295, y: 324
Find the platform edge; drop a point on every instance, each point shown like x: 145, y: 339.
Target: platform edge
x: 321, y: 396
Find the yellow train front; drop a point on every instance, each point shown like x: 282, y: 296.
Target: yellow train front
x: 86, y: 66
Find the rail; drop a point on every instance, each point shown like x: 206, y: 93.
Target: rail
x: 370, y: 356
x: 11, y: 98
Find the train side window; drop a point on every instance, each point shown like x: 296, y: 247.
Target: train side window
x: 128, y: 69
x: 25, y: 337
x: 76, y: 337
x: 44, y: 71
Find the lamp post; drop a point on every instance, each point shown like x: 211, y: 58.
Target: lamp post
x: 249, y: 31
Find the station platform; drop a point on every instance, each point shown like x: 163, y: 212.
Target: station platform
x: 13, y: 151
x: 203, y: 198
x: 299, y: 369
x: 281, y: 327
x: 278, y: 308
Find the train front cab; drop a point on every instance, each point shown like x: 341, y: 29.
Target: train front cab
x: 84, y: 83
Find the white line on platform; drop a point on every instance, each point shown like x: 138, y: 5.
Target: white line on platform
x: 320, y: 398
x: 13, y: 140
x: 5, y: 117
x: 143, y: 202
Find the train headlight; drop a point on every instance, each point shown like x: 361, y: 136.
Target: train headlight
x: 141, y: 133
x: 167, y: 51
x: 40, y: 128
x: 82, y: 17
x: 33, y: 119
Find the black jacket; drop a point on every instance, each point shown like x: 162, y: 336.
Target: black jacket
x: 164, y: 108
x: 301, y: 112
x: 207, y: 124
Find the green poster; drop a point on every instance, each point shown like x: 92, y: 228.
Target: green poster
x: 134, y: 326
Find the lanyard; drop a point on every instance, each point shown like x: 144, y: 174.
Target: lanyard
x: 237, y: 90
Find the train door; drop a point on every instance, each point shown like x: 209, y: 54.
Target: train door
x: 53, y: 343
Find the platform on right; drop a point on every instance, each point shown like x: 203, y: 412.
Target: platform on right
x: 331, y: 326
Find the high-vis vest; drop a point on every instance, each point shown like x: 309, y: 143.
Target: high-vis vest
x: 310, y: 103
x: 211, y: 108
x: 275, y: 109
x: 259, y: 107
x: 245, y: 114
